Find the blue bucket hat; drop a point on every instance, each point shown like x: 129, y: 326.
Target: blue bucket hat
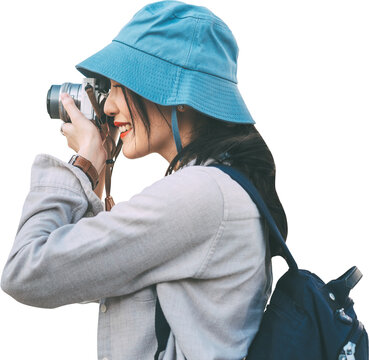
x: 173, y: 53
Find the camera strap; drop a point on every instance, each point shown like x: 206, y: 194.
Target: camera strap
x: 112, y: 149
x: 112, y: 152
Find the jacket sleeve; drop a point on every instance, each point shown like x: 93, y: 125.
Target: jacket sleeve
x: 68, y: 250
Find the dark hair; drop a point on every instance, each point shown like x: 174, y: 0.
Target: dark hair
x: 239, y: 145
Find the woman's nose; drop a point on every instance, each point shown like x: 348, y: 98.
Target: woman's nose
x: 110, y: 108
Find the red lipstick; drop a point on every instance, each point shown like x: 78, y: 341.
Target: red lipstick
x: 123, y: 134
x: 120, y: 123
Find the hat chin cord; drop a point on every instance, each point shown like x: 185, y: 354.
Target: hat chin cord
x: 177, y: 138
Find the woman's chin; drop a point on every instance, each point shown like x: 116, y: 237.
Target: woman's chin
x: 127, y: 154
x: 131, y: 154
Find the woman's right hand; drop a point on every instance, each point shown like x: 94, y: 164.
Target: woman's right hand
x: 82, y: 135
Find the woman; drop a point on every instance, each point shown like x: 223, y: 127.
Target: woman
x: 194, y: 240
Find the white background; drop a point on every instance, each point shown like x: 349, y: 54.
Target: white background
x: 303, y: 72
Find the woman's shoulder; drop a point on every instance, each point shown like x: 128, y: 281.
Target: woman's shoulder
x: 236, y: 200
x: 192, y: 184
x: 205, y: 187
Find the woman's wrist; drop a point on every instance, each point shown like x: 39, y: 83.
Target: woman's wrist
x: 87, y: 167
x: 97, y: 158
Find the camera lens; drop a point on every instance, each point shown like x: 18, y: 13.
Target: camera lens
x: 53, y: 101
x: 54, y: 105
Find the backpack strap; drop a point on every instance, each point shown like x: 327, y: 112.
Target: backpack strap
x: 162, y: 328
x: 264, y: 211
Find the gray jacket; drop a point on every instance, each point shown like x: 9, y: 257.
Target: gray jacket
x: 194, y: 239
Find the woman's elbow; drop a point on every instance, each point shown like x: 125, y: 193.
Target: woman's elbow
x: 23, y: 290
x: 12, y: 288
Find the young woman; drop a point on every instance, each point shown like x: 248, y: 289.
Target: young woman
x: 194, y: 240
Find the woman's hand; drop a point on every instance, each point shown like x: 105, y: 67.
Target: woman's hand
x: 82, y: 135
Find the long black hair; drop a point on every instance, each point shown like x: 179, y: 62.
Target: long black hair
x: 239, y: 145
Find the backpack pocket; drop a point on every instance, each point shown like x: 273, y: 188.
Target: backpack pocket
x: 281, y: 330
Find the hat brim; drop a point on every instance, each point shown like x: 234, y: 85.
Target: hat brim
x: 165, y: 83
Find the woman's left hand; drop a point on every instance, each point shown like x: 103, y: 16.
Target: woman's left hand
x: 82, y: 135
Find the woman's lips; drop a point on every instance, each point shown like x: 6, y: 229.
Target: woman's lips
x: 123, y: 132
x: 119, y: 123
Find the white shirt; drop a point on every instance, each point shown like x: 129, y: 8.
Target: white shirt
x: 193, y: 238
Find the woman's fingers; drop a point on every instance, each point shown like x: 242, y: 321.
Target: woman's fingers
x: 67, y: 131
x: 70, y: 107
x: 80, y: 127
x: 82, y: 135
x: 66, y: 128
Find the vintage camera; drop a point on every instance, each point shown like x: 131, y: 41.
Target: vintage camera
x: 89, y: 97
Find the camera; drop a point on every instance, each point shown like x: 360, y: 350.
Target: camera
x: 89, y: 98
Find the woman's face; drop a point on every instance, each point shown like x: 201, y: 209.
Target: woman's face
x: 136, y: 145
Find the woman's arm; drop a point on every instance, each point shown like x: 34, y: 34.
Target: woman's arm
x: 60, y: 256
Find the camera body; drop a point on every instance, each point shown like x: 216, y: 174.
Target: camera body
x: 78, y: 92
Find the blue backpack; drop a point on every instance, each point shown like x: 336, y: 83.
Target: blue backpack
x: 305, y: 319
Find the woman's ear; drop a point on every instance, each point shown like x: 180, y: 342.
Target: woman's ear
x: 181, y: 108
